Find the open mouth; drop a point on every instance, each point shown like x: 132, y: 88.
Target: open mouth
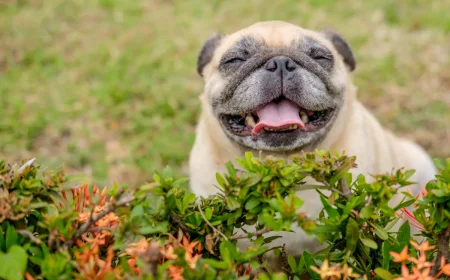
x: 279, y: 116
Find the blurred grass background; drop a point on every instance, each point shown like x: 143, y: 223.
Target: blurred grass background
x: 109, y: 88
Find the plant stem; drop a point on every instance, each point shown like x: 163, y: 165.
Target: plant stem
x: 216, y: 231
x: 443, y: 240
x: 245, y: 235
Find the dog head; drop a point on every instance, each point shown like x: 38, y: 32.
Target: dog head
x: 275, y: 86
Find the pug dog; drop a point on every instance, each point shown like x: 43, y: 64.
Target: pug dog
x: 280, y: 89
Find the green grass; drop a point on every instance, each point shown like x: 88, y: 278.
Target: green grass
x: 109, y: 87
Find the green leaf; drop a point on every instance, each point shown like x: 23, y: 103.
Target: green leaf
x: 225, y: 253
x: 13, y: 263
x: 404, y: 204
x: 2, y: 241
x: 248, y: 157
x: 252, y: 203
x: 381, y: 232
x: 340, y: 172
x: 161, y: 227
x: 352, y: 234
x: 367, y: 212
x: 216, y: 264
x: 292, y: 263
x: 271, y: 238
x: 408, y: 174
x: 187, y: 200
x: 386, y: 249
x: 384, y: 274
x: 404, y: 234
x: 180, y: 182
x: 232, y: 203
x: 369, y: 243
x: 285, y: 182
x: 230, y: 168
x: 279, y: 276
x: 309, y: 261
x: 220, y: 180
x: 157, y: 178
x: 167, y: 172
x: 38, y: 205
x: 330, y: 210
x: 263, y: 276
x: 439, y: 164
x: 252, y: 180
x: 137, y: 211
x: 11, y: 237
x: 208, y: 213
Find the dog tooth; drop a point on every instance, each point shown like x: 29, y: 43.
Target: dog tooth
x: 304, y: 117
x: 250, y: 121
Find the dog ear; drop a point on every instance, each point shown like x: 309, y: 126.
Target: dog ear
x: 342, y: 48
x: 207, y: 52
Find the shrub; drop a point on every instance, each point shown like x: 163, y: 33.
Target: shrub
x: 54, y: 226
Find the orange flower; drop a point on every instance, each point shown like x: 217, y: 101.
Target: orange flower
x: 421, y: 262
x: 327, y: 272
x: 189, y: 247
x: 445, y: 268
x: 347, y: 272
x: 169, y: 253
x: 402, y: 257
x: 405, y: 274
x: 83, y: 200
x: 90, y: 266
x: 175, y: 272
x: 422, y: 275
x: 425, y: 246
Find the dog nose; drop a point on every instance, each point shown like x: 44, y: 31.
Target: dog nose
x: 280, y: 63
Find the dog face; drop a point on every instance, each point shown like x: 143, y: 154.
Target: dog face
x: 275, y: 86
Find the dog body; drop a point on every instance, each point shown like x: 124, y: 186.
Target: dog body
x: 280, y: 89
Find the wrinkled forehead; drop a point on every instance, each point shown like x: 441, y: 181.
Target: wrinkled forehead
x: 272, y: 34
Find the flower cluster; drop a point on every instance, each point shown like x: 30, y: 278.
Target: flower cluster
x: 152, y: 252
x: 89, y: 205
x: 334, y: 272
x: 420, y: 268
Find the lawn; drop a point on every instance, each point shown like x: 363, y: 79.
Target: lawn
x: 109, y: 87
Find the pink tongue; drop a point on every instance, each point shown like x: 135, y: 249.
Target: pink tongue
x: 278, y: 116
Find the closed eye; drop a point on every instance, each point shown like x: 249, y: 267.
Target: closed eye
x: 324, y: 57
x: 234, y: 60
x: 320, y: 54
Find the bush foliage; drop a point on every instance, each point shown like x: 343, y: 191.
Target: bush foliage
x: 54, y: 226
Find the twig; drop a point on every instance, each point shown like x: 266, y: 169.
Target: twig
x: 51, y: 239
x: 345, y: 193
x: 261, y: 262
x: 245, y: 235
x: 284, y: 260
x: 30, y: 235
x: 216, y: 231
x: 443, y: 250
x: 273, y: 248
x: 122, y: 201
x: 345, y: 189
x: 178, y: 221
x: 95, y: 229
x: 337, y: 191
x: 311, y: 187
